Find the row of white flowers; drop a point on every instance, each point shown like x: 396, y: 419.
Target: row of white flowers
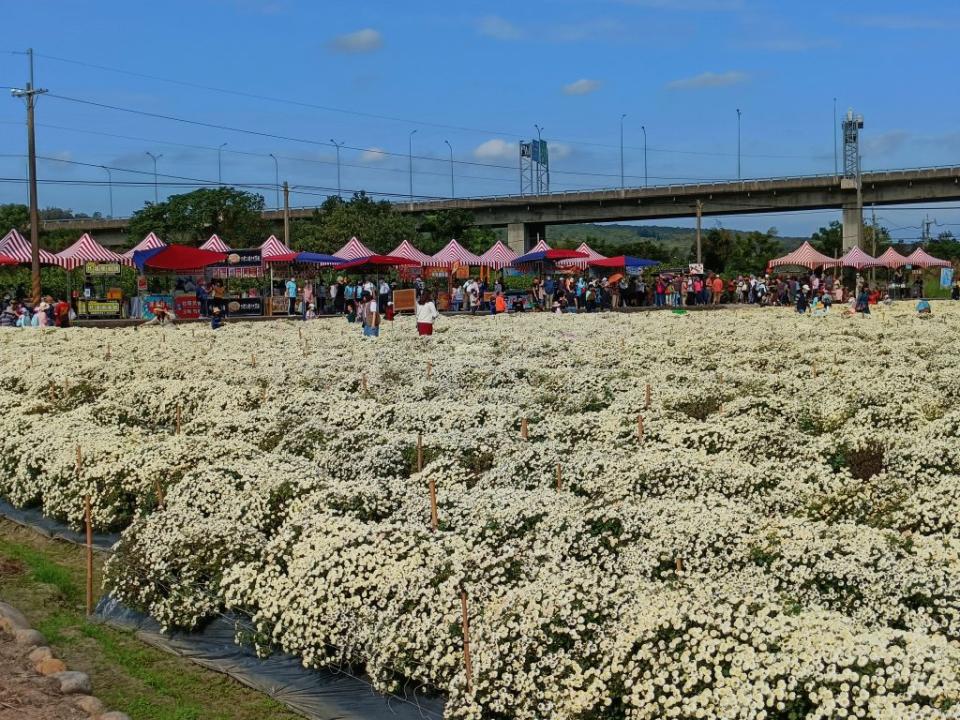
x: 775, y: 535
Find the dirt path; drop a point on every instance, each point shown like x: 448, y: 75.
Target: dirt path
x: 27, y: 695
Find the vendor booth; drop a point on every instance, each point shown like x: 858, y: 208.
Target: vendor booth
x: 188, y: 265
x: 101, y: 295
x: 455, y: 261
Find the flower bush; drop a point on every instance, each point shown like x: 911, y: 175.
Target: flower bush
x: 774, y: 534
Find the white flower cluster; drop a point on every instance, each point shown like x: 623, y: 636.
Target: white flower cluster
x: 737, y: 514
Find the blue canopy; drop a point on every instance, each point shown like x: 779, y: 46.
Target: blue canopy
x: 140, y: 257
x: 319, y: 258
x: 548, y: 256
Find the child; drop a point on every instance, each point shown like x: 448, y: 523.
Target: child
x: 216, y: 319
x: 390, y: 311
x: 311, y: 313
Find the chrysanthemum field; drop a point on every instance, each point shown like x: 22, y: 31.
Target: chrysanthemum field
x: 782, y: 539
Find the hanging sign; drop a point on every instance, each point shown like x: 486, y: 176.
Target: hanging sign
x: 101, y: 268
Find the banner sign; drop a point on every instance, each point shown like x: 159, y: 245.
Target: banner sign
x: 946, y: 278
x: 141, y: 283
x: 249, y: 257
x: 99, y: 308
x: 404, y: 300
x: 279, y: 305
x: 186, y: 307
x: 101, y: 268
x: 696, y: 268
x: 152, y: 302
x: 233, y: 307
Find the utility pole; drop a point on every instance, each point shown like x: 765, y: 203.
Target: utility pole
x: 836, y: 169
x: 219, y: 164
x: 410, y: 158
x: 30, y: 93
x: 110, y: 186
x: 873, y: 222
x: 156, y: 194
x: 338, y: 146
x: 738, y: 143
x: 644, y: 129
x: 452, y: 193
x: 286, y: 213
x: 621, y: 150
x: 276, y: 178
x: 699, y: 219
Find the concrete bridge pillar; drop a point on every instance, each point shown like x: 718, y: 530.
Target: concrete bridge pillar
x: 852, y: 225
x: 522, y: 236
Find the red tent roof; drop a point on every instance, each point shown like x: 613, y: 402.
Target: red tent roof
x: 354, y: 249
x: 273, y: 250
x: 892, y: 259
x: 857, y: 258
x: 408, y: 251
x: 15, y: 246
x: 86, y: 249
x: 806, y: 256
x: 149, y: 242
x: 591, y: 255
x: 215, y: 244
x: 373, y: 262
x: 453, y: 253
x: 921, y: 259
x: 7, y: 260
x: 498, y: 257
x: 183, y: 257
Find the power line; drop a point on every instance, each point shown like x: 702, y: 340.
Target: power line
x: 406, y: 121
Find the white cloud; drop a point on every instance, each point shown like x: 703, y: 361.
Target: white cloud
x: 499, y: 28
x: 559, y: 150
x: 361, y: 41
x: 708, y: 80
x: 373, y: 155
x: 581, y: 87
x: 496, y: 149
x: 885, y: 143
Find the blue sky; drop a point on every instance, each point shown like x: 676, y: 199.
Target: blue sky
x: 479, y: 75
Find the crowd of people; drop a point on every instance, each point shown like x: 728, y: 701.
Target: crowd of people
x: 46, y: 313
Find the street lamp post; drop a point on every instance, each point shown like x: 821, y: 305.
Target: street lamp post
x: 156, y: 193
x: 219, y: 164
x: 644, y: 129
x: 539, y: 158
x: 452, y: 193
x: 110, y: 187
x: 621, y: 150
x: 338, y: 146
x: 836, y: 169
x: 276, y: 178
x: 410, y: 158
x: 738, y: 143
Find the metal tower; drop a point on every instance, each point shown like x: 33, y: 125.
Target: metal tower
x: 852, y: 125
x: 534, y: 167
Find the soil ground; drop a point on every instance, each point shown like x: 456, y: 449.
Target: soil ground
x: 45, y: 580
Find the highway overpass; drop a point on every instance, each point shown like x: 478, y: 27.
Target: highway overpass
x: 526, y: 217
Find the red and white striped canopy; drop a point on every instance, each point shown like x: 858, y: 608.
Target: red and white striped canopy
x: 805, y: 256
x: 150, y: 242
x: 86, y: 249
x: 354, y: 250
x: 498, y: 257
x: 215, y: 244
x: 454, y: 253
x: 273, y: 248
x: 858, y: 259
x: 921, y: 259
x: 592, y: 256
x: 15, y: 246
x: 541, y: 246
x: 892, y: 259
x: 408, y: 251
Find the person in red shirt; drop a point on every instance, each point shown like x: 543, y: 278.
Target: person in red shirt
x: 61, y: 314
x: 717, y: 287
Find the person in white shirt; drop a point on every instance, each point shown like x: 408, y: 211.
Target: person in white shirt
x: 384, y: 293
x: 426, y: 313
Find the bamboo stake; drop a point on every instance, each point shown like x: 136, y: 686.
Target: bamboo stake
x: 89, y: 523
x: 300, y: 330
x: 639, y: 427
x: 524, y: 430
x: 179, y: 418
x: 814, y: 367
x: 429, y: 369
x: 419, y: 453
x: 253, y: 360
x: 559, y: 477
x: 107, y: 356
x: 646, y: 404
x: 679, y: 565
x: 363, y: 383
x: 161, y: 499
x: 434, y: 519
x: 468, y: 664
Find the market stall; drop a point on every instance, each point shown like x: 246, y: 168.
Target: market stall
x: 15, y: 246
x: 353, y: 249
x: 806, y: 256
x: 101, y: 295
x: 590, y: 255
x: 455, y: 259
x: 498, y: 257
x: 187, y: 264
x: 149, y: 242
